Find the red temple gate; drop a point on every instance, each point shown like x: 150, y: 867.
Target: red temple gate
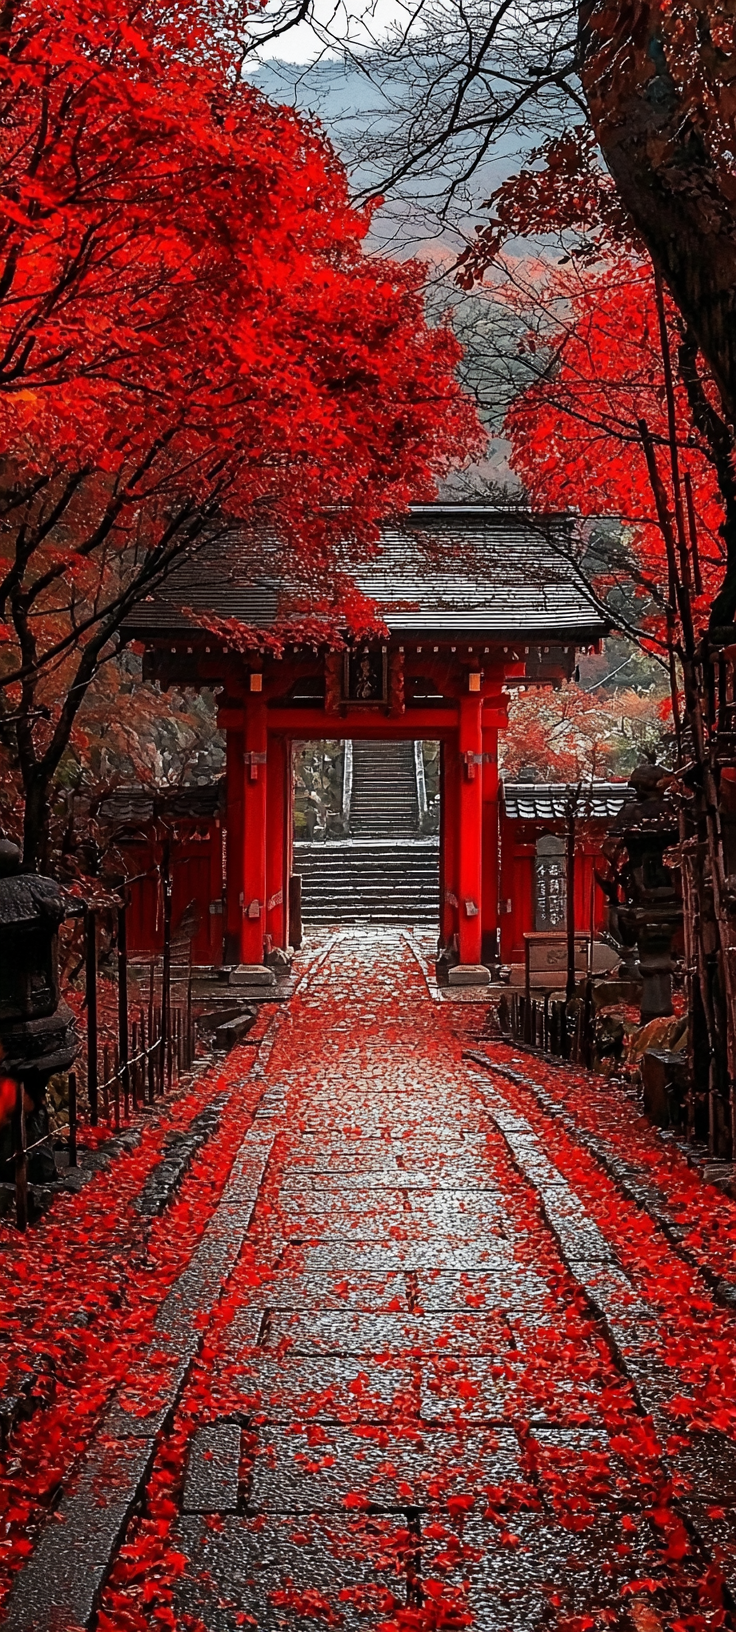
x: 499, y: 609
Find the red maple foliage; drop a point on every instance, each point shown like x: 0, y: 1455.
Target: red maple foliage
x: 595, y: 428
x: 573, y: 734
x: 576, y: 430
x: 191, y: 337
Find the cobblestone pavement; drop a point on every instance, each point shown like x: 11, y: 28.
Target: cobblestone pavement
x: 430, y: 1366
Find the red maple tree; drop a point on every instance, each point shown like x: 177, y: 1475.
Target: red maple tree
x: 584, y: 432
x: 190, y: 336
x: 624, y: 419
x: 620, y: 417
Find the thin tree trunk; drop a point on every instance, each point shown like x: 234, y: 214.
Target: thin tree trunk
x: 36, y: 820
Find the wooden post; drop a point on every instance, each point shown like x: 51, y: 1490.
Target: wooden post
x: 151, y: 1033
x: 470, y: 835
x: 255, y: 788
x: 21, y: 1164
x: 132, y: 1065
x: 570, y: 904
x: 450, y: 775
x: 141, y: 1065
x: 295, y: 911
x: 72, y: 1111
x: 123, y: 1006
x: 90, y: 939
x: 234, y: 847
x: 159, y: 1050
x: 490, y: 921
x: 165, y: 1046
x: 278, y: 806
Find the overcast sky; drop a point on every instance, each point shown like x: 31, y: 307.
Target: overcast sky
x: 363, y: 22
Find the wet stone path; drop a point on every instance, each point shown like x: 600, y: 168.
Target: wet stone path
x: 431, y: 1383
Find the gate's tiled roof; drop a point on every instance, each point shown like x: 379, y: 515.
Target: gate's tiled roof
x: 551, y: 801
x: 448, y: 569
x: 495, y: 572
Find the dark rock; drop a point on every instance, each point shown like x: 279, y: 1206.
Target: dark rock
x: 212, y: 1018
x: 233, y: 1031
x: 664, y: 1081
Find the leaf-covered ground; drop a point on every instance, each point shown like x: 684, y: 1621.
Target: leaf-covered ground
x: 406, y: 1411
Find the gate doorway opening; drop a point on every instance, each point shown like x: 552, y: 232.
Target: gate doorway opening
x: 366, y: 818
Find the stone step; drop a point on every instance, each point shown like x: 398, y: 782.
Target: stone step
x: 384, y: 873
x: 417, y: 915
x: 329, y: 887
x: 365, y: 798
x: 372, y: 824
x: 376, y: 887
x: 399, y: 786
x: 373, y: 880
x: 375, y: 869
x: 384, y: 794
x: 364, y: 869
x: 330, y: 883
x: 405, y: 904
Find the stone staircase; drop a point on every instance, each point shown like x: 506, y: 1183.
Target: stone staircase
x: 373, y: 881
x: 383, y: 804
x: 384, y: 873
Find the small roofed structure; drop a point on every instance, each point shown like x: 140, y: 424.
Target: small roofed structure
x: 475, y: 600
x: 535, y: 822
x: 137, y: 822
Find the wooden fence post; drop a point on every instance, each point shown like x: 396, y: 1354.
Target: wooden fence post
x: 90, y: 937
x: 166, y: 1061
x: 151, y: 1033
x: 21, y: 1164
x: 570, y: 906
x: 123, y: 1053
x: 72, y: 1118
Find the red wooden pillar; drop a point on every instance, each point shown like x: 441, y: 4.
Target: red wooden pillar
x: 449, y: 822
x: 490, y: 865
x: 234, y: 847
x: 470, y: 836
x: 505, y: 905
x: 276, y: 848
x: 254, y: 849
x: 289, y: 829
x: 216, y: 892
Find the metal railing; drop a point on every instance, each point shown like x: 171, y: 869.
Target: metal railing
x: 153, y: 1046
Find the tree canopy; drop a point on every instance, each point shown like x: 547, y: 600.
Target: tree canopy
x: 191, y: 336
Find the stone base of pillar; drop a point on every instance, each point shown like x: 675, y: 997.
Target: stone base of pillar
x: 469, y: 974
x: 252, y: 974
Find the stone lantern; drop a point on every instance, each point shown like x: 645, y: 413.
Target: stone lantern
x: 652, y: 911
x: 37, y: 1030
